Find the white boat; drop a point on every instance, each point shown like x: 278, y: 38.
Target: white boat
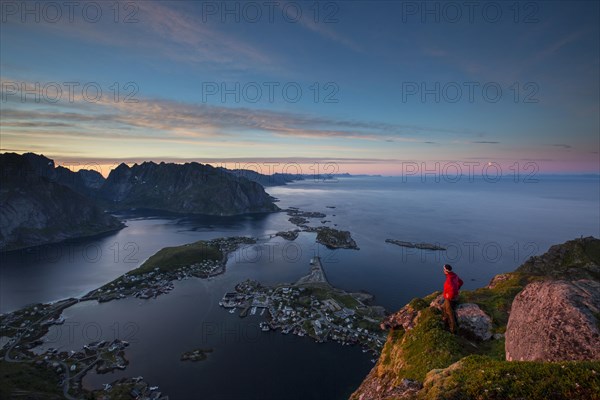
x: 263, y: 311
x: 253, y: 311
x: 232, y: 311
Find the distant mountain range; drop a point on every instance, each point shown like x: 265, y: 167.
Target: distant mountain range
x: 41, y: 203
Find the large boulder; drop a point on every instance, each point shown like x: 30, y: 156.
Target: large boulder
x: 555, y: 321
x: 473, y: 322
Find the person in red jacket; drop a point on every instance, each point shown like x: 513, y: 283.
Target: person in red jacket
x: 451, y: 288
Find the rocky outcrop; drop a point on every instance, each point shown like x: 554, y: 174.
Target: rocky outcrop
x: 405, y: 389
x: 575, y: 259
x: 190, y: 188
x: 549, y: 308
x: 555, y: 321
x: 35, y: 210
x: 405, y: 318
x: 473, y: 323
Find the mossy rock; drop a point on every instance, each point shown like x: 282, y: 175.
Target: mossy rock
x: 479, y: 377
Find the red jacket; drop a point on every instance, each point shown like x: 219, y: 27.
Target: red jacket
x: 452, y: 285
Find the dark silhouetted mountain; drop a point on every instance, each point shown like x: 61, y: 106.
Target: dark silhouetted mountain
x: 85, y: 182
x: 91, y: 179
x: 35, y: 209
x: 191, y: 188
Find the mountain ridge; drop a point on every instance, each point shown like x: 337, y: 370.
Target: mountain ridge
x: 190, y: 188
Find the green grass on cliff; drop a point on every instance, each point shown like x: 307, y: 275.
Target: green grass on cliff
x: 27, y: 381
x: 171, y: 258
x: 478, y: 377
x: 454, y: 368
x: 428, y: 346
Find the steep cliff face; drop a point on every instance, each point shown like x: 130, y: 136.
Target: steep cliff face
x: 35, y: 209
x: 185, y: 188
x: 554, y: 317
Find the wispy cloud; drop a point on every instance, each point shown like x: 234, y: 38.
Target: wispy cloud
x: 162, y: 31
x: 325, y: 27
x: 160, y: 119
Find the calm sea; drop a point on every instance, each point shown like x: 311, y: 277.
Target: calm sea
x: 488, y: 228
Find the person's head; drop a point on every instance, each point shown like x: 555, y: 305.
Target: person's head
x: 447, y: 268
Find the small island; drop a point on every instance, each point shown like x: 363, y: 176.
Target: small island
x: 295, y: 212
x: 335, y: 239
x: 299, y: 221
x: 196, y: 355
x: 289, y: 235
x: 330, y: 237
x: 422, y: 246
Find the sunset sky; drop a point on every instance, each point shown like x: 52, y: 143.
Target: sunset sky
x: 364, y: 86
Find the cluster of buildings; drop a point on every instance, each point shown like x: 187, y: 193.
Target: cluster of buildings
x: 159, y: 281
x: 317, y: 312
x: 137, y: 389
x: 21, y: 330
x: 154, y: 283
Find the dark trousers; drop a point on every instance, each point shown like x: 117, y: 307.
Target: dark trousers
x: 449, y: 314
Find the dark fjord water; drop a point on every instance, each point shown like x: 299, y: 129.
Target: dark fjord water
x: 488, y: 228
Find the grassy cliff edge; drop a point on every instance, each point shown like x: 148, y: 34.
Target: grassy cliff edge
x: 427, y: 362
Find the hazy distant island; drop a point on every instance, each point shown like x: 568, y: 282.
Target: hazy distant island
x: 422, y: 246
